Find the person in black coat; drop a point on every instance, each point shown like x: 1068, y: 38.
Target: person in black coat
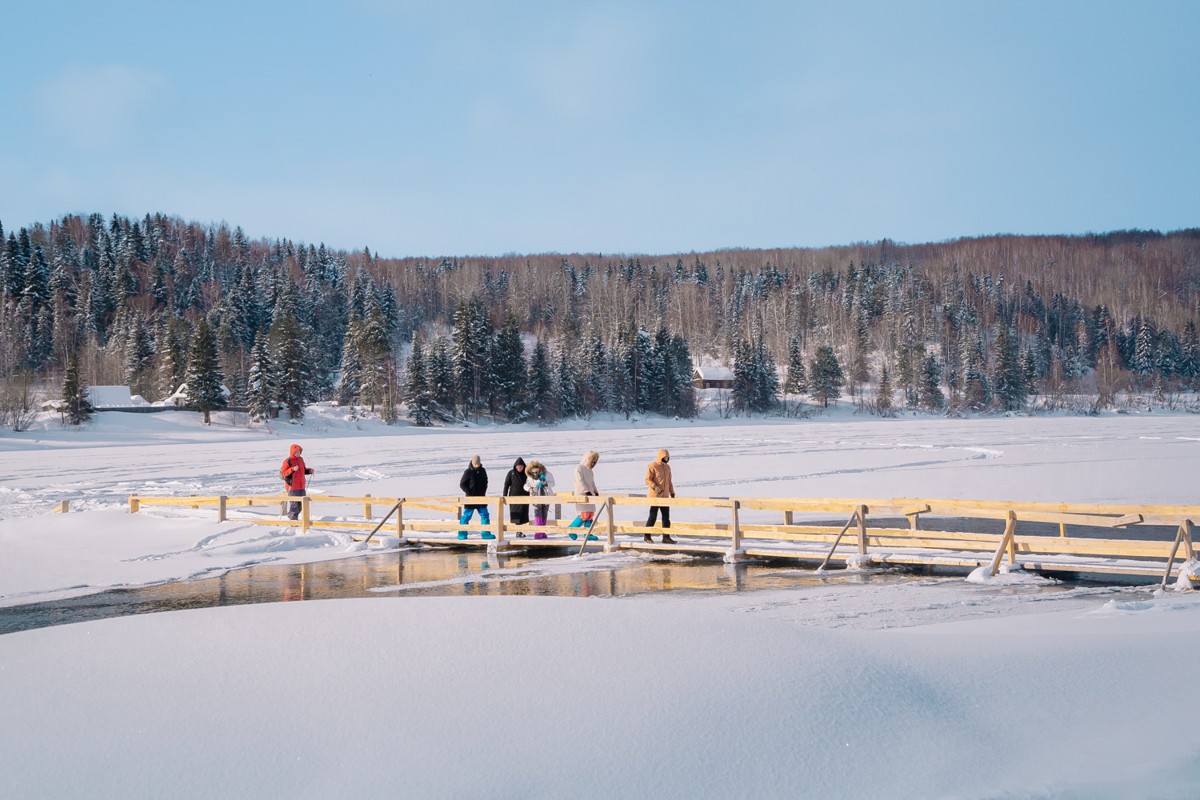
x: 474, y: 484
x: 514, y: 486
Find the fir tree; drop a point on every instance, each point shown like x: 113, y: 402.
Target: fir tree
x: 77, y: 408
x: 416, y: 385
x: 797, y: 376
x: 932, y: 398
x: 440, y: 376
x: 350, y: 381
x: 883, y: 394
x: 292, y: 372
x: 260, y: 389
x: 204, y: 390
x: 825, y: 377
x: 539, y: 389
x: 508, y: 371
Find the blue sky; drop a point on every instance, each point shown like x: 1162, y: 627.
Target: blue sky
x: 448, y: 128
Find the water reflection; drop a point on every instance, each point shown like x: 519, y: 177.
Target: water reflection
x: 424, y: 572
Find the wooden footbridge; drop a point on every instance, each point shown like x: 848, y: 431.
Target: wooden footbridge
x: 1122, y: 541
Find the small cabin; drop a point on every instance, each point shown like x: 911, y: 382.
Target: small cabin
x: 712, y: 378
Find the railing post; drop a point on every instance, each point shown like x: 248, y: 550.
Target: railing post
x: 135, y: 505
x: 498, y: 524
x: 787, y: 518
x: 400, y: 520
x: 64, y: 506
x: 305, y: 514
x: 862, y: 530
x: 222, y: 508
x: 735, y: 553
x: 367, y: 506
x: 611, y: 544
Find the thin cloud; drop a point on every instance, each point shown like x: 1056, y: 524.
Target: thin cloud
x: 97, y: 105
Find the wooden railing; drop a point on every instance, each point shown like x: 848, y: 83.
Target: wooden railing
x: 743, y: 530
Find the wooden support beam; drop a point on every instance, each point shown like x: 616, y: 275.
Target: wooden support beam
x: 305, y: 514
x: 63, y: 507
x: 1006, y: 542
x: 862, y: 530
x: 366, y: 506
x: 135, y: 504
x: 222, y: 508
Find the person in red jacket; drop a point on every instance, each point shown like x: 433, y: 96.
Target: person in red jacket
x: 293, y: 472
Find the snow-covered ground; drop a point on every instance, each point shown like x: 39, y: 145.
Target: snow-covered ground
x: 913, y: 689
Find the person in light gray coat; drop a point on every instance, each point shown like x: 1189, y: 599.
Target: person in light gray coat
x: 585, y: 484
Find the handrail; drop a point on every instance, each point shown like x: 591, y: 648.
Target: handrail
x: 799, y: 536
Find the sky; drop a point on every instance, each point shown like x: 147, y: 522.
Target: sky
x: 456, y: 128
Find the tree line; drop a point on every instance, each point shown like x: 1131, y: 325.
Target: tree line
x: 271, y: 325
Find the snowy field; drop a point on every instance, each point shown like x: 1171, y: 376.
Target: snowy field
x: 917, y: 689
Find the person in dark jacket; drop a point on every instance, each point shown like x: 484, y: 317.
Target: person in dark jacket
x: 474, y: 484
x: 514, y: 486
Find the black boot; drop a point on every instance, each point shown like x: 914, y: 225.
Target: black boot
x: 667, y: 539
x: 647, y: 539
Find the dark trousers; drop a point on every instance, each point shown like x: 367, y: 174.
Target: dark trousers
x: 666, y: 514
x: 294, y: 508
x: 519, y: 514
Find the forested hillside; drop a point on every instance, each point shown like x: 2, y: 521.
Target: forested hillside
x: 982, y: 323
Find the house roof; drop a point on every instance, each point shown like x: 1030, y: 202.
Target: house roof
x: 714, y: 373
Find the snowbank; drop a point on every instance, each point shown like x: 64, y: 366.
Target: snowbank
x: 551, y: 697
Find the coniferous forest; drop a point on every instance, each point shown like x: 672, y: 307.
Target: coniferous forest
x: 993, y: 323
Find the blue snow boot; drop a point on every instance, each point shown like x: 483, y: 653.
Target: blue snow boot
x: 573, y: 536
x: 488, y: 536
x: 462, y: 534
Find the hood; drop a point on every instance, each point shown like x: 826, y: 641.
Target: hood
x: 590, y: 458
x: 663, y: 455
x: 294, y: 450
x: 520, y: 462
x: 534, y: 468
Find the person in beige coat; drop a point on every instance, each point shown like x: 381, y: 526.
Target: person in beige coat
x: 658, y: 480
x: 585, y: 485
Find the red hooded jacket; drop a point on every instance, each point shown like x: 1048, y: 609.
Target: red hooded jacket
x: 293, y: 465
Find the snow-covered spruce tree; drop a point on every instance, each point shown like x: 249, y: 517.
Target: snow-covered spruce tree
x: 539, y: 389
x: 797, y: 377
x: 292, y: 371
x: 825, y: 377
x: 139, y: 352
x: 260, y: 389
x: 350, y: 380
x: 932, y: 398
x: 76, y: 408
x: 743, y: 377
x: 439, y: 371
x: 375, y: 357
x: 172, y: 347
x: 883, y: 393
x: 416, y: 385
x: 1008, y: 377
x: 508, y: 374
x: 766, y: 379
x: 203, y: 377
x: 566, y: 389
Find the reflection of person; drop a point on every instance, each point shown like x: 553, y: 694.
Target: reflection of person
x: 540, y: 483
x: 658, y: 480
x: 514, y: 486
x: 293, y: 471
x: 585, y: 484
x: 474, y: 483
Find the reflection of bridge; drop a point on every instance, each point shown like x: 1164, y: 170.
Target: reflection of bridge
x: 1114, y: 540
